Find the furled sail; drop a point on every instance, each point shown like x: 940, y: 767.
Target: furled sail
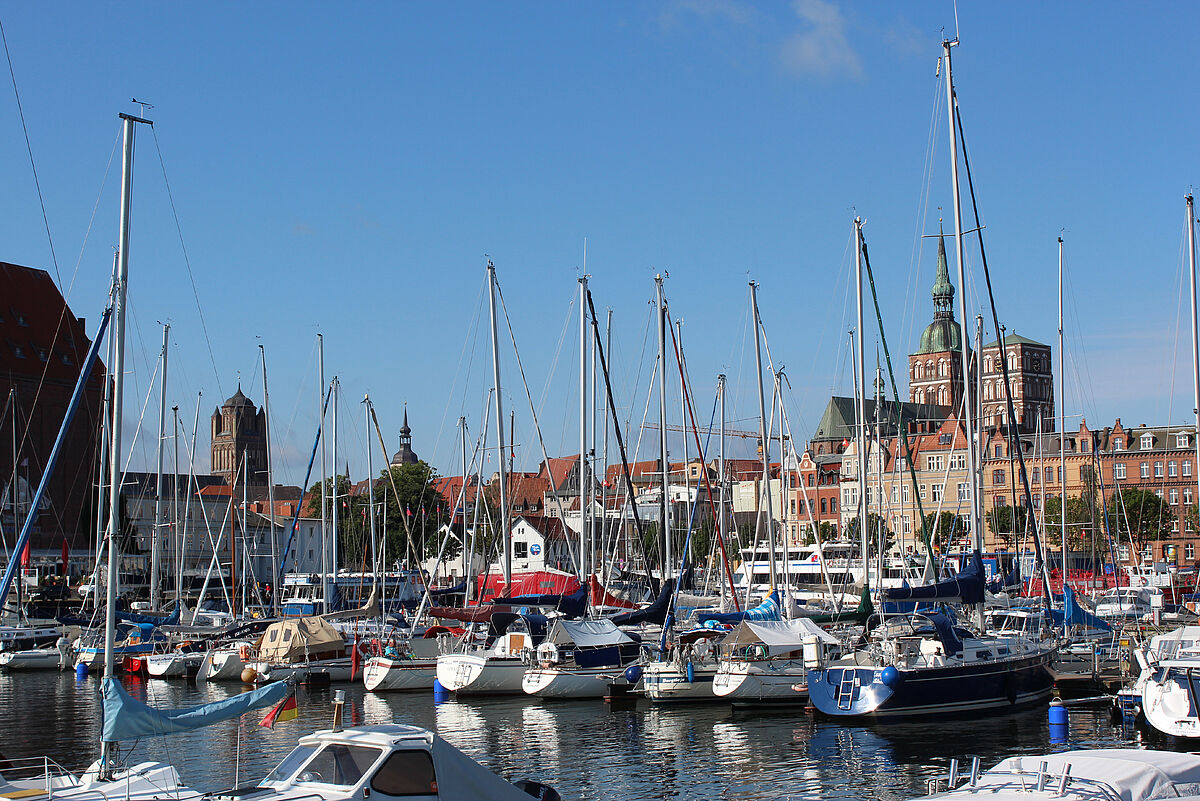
x: 767, y: 610
x: 126, y: 718
x: 966, y: 587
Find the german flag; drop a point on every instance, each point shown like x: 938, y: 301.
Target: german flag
x: 284, y: 710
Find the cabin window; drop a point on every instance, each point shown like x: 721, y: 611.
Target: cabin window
x: 290, y: 764
x: 340, y: 765
x: 406, y: 773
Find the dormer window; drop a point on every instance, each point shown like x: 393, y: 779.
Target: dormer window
x: 1146, y: 442
x: 1118, y: 443
x: 1181, y: 440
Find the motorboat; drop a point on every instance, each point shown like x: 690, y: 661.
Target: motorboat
x: 388, y: 760
x: 55, y: 658
x: 685, y: 671
x: 303, y: 648
x: 770, y: 660
x: 580, y: 659
x: 1128, y: 604
x: 1103, y: 774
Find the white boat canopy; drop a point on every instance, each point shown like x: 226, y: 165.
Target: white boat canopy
x: 780, y: 636
x: 586, y: 633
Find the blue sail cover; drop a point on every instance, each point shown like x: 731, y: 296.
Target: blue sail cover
x: 126, y: 718
x: 133, y: 617
x: 1073, y: 614
x: 966, y: 587
x: 655, y: 613
x: 767, y: 610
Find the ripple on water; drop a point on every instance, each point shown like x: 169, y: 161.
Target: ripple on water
x: 583, y: 749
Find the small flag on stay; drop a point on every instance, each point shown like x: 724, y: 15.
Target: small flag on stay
x: 284, y: 710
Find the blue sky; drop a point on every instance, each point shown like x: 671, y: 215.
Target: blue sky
x: 345, y: 169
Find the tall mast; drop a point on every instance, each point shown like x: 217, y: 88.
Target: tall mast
x: 333, y: 516
x: 721, y: 474
x: 1062, y: 412
x: 604, y: 459
x: 270, y: 490
x: 159, y: 523
x: 683, y: 418
x: 176, y: 531
x: 505, y: 529
x: 861, y: 444
x: 764, y: 495
x: 668, y: 568
x: 968, y: 423
x: 583, y: 428
x: 462, y: 429
x: 371, y: 497
x: 1191, y: 229
x: 109, y: 749
x: 321, y: 390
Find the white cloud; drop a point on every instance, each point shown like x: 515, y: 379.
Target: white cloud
x: 821, y: 46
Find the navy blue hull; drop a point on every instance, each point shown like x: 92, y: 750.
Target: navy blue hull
x: 861, y: 692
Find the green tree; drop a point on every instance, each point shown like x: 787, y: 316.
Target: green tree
x: 410, y: 507
x: 943, y: 527
x: 1081, y: 523
x: 1141, y: 516
x: 1007, y: 522
x: 875, y: 524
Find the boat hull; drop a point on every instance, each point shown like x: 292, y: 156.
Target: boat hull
x: 1168, y: 706
x: 481, y: 674
x: 860, y: 692
x: 32, y: 659
x: 382, y: 673
x: 224, y: 664
x: 743, y: 682
x: 554, y: 682
x: 169, y: 666
x: 666, y: 682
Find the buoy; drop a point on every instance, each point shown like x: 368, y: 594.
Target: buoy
x: 440, y: 693
x: 81, y: 670
x: 1058, y: 714
x: 249, y: 675
x: 691, y: 673
x: 890, y: 677
x: 633, y: 673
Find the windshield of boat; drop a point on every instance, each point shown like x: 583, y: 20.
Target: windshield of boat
x: 337, y: 764
x: 289, y: 765
x: 406, y: 773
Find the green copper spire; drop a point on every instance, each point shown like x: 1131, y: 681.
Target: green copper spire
x: 943, y: 334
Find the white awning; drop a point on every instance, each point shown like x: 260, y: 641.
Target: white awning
x: 586, y: 633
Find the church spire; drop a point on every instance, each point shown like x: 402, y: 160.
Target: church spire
x: 943, y: 290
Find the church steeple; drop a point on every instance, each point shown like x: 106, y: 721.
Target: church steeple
x: 405, y: 455
x: 943, y: 290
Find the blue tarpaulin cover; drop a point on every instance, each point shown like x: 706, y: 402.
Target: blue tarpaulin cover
x: 654, y: 613
x: 126, y: 718
x: 767, y: 610
x: 966, y: 587
x: 1075, y: 615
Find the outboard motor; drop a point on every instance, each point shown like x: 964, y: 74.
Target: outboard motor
x: 542, y: 792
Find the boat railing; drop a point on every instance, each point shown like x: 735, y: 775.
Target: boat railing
x: 1026, y: 781
x: 30, y: 768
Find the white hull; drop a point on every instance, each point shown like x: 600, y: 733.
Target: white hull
x: 570, y: 682
x: 222, y: 664
x: 382, y: 673
x: 166, y: 666
x: 1167, y: 707
x: 761, y: 681
x: 667, y: 681
x: 33, y: 659
x: 336, y: 669
x: 481, y: 674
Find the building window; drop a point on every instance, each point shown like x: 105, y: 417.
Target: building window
x: 1159, y: 492
x: 823, y: 509
x: 921, y: 491
x: 906, y: 494
x: 1144, y: 469
x: 1123, y: 553
x: 958, y: 461
x: 1084, y: 445
x: 1119, y: 471
x: 895, y: 494
x: 1174, y: 498
x: 1118, y: 443
x: 1147, y: 442
x: 1187, y: 469
x: 999, y: 451
x: 520, y: 549
x: 997, y: 476
x: 1000, y: 501
x: 1187, y: 495
x: 833, y: 505
x: 1158, y: 469
x: 1172, y: 469
x: 1189, y: 551
x: 1147, y: 554
x: 1037, y: 476
x: 936, y: 463
x: 1181, y: 440
x: 937, y: 492
x: 964, y: 491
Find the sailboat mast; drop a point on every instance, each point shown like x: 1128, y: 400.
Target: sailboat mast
x: 1062, y: 420
x: 764, y: 493
x: 583, y: 428
x: 1191, y: 231
x: 159, y: 523
x: 262, y: 351
x: 333, y: 513
x: 968, y: 423
x: 109, y: 749
x: 371, y: 497
x: 176, y: 531
x: 505, y: 529
x: 321, y: 390
x: 668, y: 567
x: 860, y: 412
x: 462, y: 507
x: 721, y: 479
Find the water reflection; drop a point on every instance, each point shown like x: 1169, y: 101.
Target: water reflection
x: 585, y: 750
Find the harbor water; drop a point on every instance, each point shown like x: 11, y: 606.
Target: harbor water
x: 585, y: 750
